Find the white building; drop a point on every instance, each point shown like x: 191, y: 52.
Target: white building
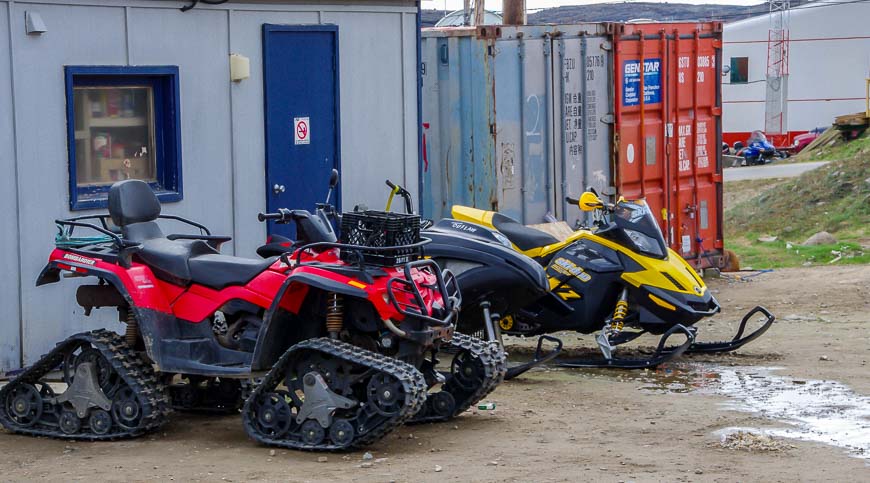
x: 829, y: 60
x: 94, y: 91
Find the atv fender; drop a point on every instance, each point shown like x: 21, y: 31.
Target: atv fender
x: 277, y: 335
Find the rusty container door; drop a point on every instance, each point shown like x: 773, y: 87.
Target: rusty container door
x: 668, y: 128
x: 548, y: 91
x: 459, y: 160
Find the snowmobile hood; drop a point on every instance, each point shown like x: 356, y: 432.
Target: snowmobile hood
x: 468, y: 241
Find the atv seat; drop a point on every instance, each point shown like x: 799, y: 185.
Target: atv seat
x: 523, y: 237
x: 135, y: 209
x: 221, y: 271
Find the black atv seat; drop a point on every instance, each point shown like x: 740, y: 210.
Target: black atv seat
x: 183, y: 262
x: 135, y: 209
x: 221, y: 271
x: 523, y: 237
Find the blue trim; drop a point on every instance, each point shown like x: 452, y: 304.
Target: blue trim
x: 269, y: 28
x: 419, y: 67
x: 164, y: 81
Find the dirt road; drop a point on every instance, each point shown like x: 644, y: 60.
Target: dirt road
x: 768, y: 171
x: 572, y: 425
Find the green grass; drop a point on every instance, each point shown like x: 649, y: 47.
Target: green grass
x: 840, y: 151
x: 834, y: 198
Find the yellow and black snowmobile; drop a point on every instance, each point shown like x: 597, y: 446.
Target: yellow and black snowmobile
x: 617, y: 277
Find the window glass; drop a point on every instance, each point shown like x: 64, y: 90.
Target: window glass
x: 739, y: 70
x: 114, y: 134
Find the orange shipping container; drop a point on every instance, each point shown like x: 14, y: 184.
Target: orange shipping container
x: 668, y: 130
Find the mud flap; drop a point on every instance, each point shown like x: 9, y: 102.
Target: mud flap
x: 739, y: 340
x: 538, y: 359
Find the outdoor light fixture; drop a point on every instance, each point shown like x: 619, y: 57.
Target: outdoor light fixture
x: 240, y: 67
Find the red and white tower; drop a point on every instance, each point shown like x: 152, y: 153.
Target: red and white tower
x: 776, y: 99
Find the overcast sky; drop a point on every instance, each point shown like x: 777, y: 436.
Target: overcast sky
x: 538, y: 4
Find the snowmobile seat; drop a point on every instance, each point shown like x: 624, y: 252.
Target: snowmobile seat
x: 221, y: 271
x: 523, y: 237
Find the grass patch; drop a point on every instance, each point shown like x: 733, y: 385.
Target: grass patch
x: 843, y: 150
x: 834, y: 198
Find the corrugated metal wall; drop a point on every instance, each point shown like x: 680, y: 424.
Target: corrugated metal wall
x: 9, y: 283
x: 633, y: 106
x: 669, y: 143
x: 222, y: 126
x: 517, y: 116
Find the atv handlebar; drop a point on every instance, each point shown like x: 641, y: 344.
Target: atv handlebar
x: 573, y: 201
x: 283, y: 215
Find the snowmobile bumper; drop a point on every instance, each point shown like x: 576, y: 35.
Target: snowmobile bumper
x: 739, y: 339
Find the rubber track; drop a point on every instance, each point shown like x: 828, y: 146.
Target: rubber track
x: 494, y: 361
x: 134, y: 372
x: 413, y: 385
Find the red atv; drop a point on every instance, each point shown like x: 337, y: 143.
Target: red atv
x: 346, y: 347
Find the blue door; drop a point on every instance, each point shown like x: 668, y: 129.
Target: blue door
x: 300, y: 72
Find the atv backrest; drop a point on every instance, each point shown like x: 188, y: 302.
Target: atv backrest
x: 134, y: 207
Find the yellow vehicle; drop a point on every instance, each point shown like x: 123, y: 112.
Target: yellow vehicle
x: 617, y: 277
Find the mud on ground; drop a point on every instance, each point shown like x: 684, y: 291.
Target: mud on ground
x: 560, y: 425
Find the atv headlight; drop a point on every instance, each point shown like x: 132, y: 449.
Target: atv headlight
x: 644, y: 243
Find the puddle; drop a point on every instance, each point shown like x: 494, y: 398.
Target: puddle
x: 822, y: 411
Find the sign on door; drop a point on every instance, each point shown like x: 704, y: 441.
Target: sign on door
x: 301, y: 130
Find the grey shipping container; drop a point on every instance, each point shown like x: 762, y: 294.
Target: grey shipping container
x: 516, y: 118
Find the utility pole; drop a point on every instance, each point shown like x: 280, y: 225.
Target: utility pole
x: 514, y: 12
x: 479, y: 11
x: 466, y: 12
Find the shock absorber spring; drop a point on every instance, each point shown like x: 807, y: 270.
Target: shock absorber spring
x: 334, y: 314
x: 131, y: 335
x: 617, y: 322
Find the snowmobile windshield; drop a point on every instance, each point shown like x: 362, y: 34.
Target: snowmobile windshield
x: 637, y: 221
x: 757, y: 137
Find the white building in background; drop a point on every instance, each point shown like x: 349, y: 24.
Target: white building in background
x: 829, y: 62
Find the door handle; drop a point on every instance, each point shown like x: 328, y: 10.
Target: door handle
x: 278, y: 189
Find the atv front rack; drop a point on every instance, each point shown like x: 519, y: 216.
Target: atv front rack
x: 445, y: 284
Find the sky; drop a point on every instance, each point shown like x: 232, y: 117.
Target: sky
x: 539, y: 4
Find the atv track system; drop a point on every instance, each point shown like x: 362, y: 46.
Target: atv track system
x: 326, y: 395
x: 111, y: 392
x: 477, y: 368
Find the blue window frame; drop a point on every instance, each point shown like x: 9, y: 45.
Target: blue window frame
x: 122, y: 122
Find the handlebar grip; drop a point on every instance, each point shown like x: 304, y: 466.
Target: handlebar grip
x: 269, y: 216
x: 573, y: 201
x: 391, y: 185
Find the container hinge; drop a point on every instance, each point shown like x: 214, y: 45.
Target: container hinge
x: 607, y: 46
x: 492, y: 129
x: 717, y: 111
x: 490, y: 50
x: 608, y: 118
x: 717, y: 178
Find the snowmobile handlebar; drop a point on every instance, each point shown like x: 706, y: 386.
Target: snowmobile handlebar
x: 398, y: 190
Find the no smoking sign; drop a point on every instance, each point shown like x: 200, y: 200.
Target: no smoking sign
x: 301, y: 130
